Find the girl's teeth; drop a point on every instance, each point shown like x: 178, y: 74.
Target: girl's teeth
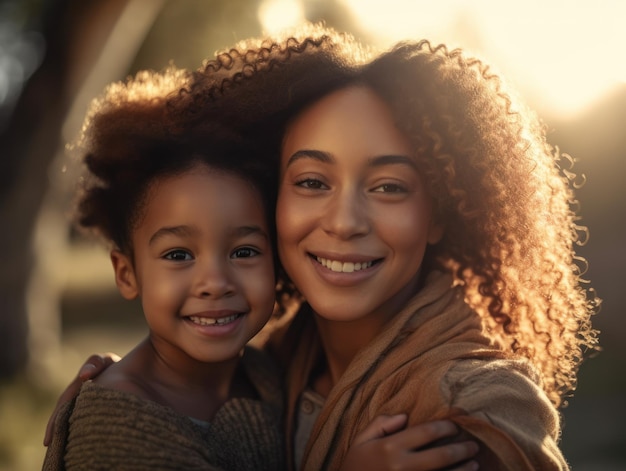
x: 212, y: 321
x: 344, y: 267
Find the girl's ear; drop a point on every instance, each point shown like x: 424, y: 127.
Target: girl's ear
x: 124, y: 275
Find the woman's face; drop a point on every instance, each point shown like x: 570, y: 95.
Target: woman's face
x: 353, y: 216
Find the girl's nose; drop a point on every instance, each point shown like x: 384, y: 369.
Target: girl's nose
x: 346, y: 215
x: 213, y: 280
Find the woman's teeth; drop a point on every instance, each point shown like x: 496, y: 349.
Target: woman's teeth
x: 212, y: 321
x: 344, y: 267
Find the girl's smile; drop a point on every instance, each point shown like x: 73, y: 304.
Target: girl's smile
x: 215, y: 324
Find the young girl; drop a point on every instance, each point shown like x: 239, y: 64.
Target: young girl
x: 192, y: 238
x: 187, y: 216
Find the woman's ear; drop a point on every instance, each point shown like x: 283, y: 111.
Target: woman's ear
x: 435, y: 232
x: 124, y: 275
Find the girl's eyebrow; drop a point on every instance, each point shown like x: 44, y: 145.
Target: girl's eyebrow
x: 180, y: 231
x: 186, y: 231
x: 244, y: 231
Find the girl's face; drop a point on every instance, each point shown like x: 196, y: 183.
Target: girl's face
x: 353, y: 216
x: 202, y: 265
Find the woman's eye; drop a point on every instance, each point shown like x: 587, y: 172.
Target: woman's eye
x: 178, y: 255
x: 311, y: 184
x: 390, y: 188
x: 244, y: 252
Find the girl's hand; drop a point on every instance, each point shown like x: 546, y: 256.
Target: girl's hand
x: 387, y: 444
x: 94, y: 365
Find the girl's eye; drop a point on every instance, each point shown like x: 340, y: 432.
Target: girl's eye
x: 178, y: 255
x: 390, y: 188
x: 311, y: 184
x: 245, y: 252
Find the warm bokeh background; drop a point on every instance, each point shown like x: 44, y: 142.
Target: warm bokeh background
x: 57, y: 298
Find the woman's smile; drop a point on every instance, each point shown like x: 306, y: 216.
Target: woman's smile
x: 353, y: 215
x: 341, y: 273
x: 345, y: 267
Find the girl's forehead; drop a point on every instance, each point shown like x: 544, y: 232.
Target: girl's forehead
x: 203, y: 190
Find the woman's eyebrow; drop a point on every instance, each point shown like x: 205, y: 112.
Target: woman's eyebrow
x: 392, y: 159
x: 319, y: 155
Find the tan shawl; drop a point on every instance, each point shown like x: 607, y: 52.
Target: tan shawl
x: 431, y: 362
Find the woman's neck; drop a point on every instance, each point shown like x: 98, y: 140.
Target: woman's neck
x: 341, y: 342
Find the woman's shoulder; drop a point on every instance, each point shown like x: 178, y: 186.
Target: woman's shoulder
x: 504, y: 391
x: 477, y: 378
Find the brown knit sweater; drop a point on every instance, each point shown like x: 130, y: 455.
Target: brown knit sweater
x: 105, y: 429
x: 432, y: 361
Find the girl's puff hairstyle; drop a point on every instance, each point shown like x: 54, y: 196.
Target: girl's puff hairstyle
x: 132, y: 135
x: 503, y: 193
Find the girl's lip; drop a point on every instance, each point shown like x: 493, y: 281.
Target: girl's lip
x: 215, y: 314
x: 215, y: 323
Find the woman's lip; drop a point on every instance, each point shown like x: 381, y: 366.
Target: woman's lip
x: 345, y: 257
x: 345, y: 278
x: 344, y: 267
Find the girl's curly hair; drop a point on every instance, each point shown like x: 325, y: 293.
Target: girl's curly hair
x: 131, y: 137
x: 503, y: 193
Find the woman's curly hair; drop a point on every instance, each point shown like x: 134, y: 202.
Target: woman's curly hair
x: 503, y: 193
x: 131, y: 137
x: 506, y: 199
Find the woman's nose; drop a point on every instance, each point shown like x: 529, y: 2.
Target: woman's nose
x: 346, y: 216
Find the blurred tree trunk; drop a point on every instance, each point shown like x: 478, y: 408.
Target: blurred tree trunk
x: 28, y: 144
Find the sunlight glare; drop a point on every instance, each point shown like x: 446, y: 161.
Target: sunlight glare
x: 276, y: 15
x: 560, y: 54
